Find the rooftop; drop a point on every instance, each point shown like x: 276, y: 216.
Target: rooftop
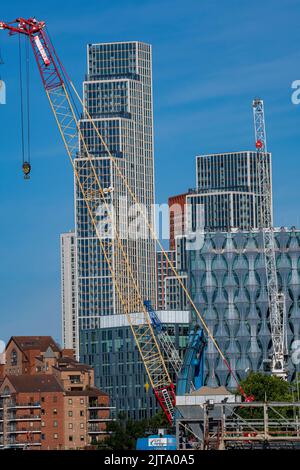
x: 41, y: 343
x: 34, y: 383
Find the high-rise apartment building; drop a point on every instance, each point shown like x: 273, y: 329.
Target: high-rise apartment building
x: 227, y: 186
x: 162, y: 271
x: 118, y: 97
x: 68, y: 291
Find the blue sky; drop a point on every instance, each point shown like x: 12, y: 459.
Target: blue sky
x: 210, y: 59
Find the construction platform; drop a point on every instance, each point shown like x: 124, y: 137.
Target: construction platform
x: 212, y: 419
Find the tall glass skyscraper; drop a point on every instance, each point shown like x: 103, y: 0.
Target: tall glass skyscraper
x: 118, y: 98
x: 227, y: 186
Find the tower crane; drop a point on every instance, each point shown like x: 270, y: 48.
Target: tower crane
x: 277, y: 304
x: 61, y: 92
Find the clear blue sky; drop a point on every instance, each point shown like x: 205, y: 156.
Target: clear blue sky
x: 210, y: 58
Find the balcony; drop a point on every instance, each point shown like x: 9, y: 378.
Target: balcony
x: 94, y: 428
x: 94, y: 405
x: 13, y: 445
x: 100, y: 420
x: 24, y: 431
x: 97, y: 432
x: 13, y: 405
x: 25, y: 418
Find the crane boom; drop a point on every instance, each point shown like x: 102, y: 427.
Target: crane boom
x: 167, y: 344
x: 56, y: 84
x: 265, y: 223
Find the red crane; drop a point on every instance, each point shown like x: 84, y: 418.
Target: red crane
x: 57, y: 85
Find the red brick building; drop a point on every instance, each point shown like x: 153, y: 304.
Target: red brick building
x: 47, y: 399
x: 177, y: 213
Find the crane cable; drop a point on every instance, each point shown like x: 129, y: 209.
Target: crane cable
x: 21, y: 99
x: 28, y: 99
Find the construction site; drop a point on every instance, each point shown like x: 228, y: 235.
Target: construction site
x: 200, y: 391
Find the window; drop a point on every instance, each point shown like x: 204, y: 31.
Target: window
x: 13, y: 358
x: 82, y: 438
x: 70, y: 401
x: 55, y: 411
x: 70, y: 413
x: 55, y: 424
x: 55, y: 436
x: 42, y: 399
x: 43, y: 436
x: 81, y: 401
x: 81, y: 426
x: 74, y: 379
x: 70, y: 438
x: 70, y: 426
x: 43, y: 424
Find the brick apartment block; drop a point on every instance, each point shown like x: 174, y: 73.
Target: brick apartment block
x: 48, y: 400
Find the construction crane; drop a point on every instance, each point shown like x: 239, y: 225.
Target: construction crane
x: 58, y: 87
x: 189, y: 370
x: 61, y: 93
x: 164, y: 339
x: 277, y: 304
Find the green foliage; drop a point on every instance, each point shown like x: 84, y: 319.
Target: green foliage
x: 124, y: 432
x: 266, y: 388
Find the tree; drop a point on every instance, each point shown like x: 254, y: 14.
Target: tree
x: 266, y: 388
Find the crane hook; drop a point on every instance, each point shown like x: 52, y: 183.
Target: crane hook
x: 26, y: 170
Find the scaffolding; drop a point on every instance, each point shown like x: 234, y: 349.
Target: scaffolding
x: 255, y: 425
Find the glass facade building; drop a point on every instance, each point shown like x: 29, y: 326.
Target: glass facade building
x: 118, y: 97
x: 227, y: 280
x: 117, y: 362
x: 68, y: 291
x: 227, y: 186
